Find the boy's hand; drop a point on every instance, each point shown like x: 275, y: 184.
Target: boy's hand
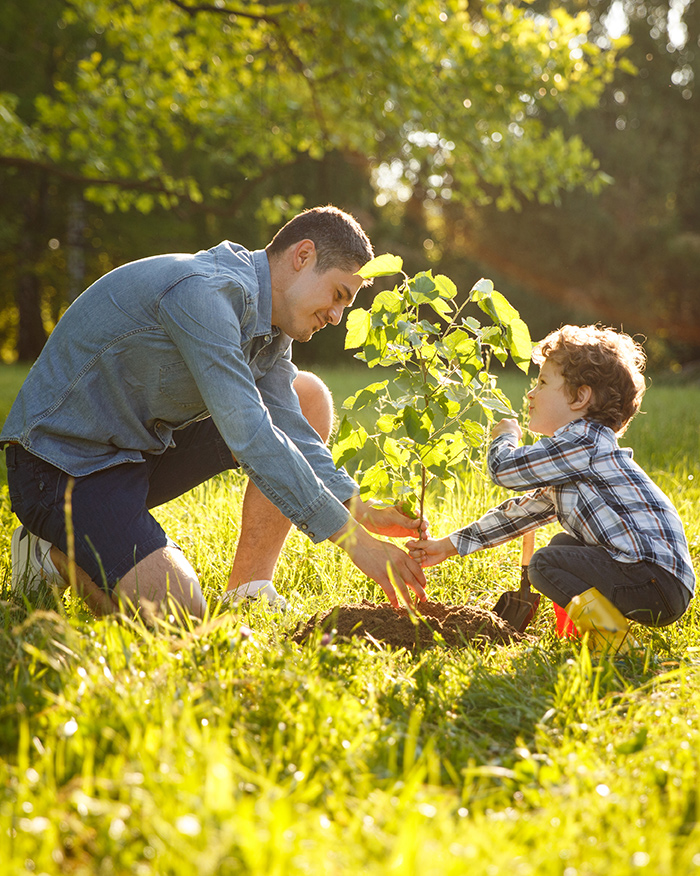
x: 431, y: 551
x: 509, y: 425
x: 387, y: 520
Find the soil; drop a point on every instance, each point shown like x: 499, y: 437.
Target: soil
x: 458, y: 625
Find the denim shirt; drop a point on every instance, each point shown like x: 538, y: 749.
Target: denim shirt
x: 163, y: 341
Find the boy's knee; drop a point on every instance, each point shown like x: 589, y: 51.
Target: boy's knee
x: 316, y: 402
x: 538, y: 568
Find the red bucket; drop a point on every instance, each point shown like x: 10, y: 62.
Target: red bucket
x: 565, y: 626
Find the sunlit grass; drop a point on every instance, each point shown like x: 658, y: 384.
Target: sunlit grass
x: 125, y: 750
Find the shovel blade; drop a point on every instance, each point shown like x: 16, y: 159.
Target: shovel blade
x: 517, y: 608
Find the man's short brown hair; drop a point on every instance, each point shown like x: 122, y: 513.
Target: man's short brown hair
x: 339, y: 238
x: 610, y: 362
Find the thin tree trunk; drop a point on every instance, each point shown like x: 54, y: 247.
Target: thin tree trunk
x: 75, y: 243
x: 31, y: 335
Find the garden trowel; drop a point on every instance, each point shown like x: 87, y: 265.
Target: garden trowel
x: 518, y: 607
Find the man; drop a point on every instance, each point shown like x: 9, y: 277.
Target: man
x: 167, y: 371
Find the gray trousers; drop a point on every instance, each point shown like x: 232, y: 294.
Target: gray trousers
x: 643, y: 592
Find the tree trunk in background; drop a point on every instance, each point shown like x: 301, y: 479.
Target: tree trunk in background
x: 31, y: 335
x: 75, y: 240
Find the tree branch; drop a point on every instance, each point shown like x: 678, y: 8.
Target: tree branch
x: 71, y: 176
x: 152, y: 186
x: 221, y: 10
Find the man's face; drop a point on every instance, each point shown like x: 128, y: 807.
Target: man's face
x: 313, y: 299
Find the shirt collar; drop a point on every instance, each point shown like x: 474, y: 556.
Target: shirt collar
x: 262, y: 271
x: 602, y: 433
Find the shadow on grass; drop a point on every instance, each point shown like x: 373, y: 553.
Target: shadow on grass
x: 478, y: 715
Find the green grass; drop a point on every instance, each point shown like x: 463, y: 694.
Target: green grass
x: 130, y: 751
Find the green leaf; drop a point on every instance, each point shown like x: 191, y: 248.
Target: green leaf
x: 373, y: 355
x: 494, y: 303
x: 389, y: 301
x: 386, y: 423
x: 349, y: 441
x: 449, y: 404
x: 374, y: 481
x: 441, y: 307
x: 358, y: 325
x: 381, y: 266
x: 396, y: 455
x: 462, y: 346
x: 473, y: 432
x: 368, y: 395
x: 410, y: 331
x: 436, y: 457
x: 472, y: 323
x: 520, y: 344
x: 416, y: 428
x: 408, y: 503
x: 504, y: 309
x: 445, y: 286
x: 422, y: 289
x: 496, y: 403
x: 483, y: 286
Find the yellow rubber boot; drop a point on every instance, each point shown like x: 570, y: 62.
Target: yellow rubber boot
x: 607, y: 627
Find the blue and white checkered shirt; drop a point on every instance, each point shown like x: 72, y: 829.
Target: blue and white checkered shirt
x: 592, y: 486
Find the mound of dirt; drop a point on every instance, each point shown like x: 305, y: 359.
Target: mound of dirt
x: 458, y: 625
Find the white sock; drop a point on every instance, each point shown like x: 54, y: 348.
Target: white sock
x: 252, y: 587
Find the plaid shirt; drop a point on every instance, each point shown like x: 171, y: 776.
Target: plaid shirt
x: 585, y: 480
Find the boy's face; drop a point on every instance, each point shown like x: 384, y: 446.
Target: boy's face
x: 551, y: 406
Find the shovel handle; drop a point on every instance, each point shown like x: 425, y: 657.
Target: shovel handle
x: 528, y: 547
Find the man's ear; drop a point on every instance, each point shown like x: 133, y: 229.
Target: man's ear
x: 584, y: 397
x: 303, y: 253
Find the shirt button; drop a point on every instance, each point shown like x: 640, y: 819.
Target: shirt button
x: 268, y: 338
x: 304, y: 526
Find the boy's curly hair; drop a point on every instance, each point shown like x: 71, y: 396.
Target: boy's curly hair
x: 610, y: 362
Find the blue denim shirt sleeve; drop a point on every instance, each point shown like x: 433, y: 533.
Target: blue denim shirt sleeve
x: 207, y: 331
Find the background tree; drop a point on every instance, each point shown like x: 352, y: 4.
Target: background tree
x: 199, y: 115
x: 631, y: 255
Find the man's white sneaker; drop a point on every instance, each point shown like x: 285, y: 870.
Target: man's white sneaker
x: 264, y: 590
x: 32, y: 565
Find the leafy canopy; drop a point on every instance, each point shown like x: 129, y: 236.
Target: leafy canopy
x: 175, y: 101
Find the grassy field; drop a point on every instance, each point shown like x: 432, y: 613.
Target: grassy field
x: 125, y: 750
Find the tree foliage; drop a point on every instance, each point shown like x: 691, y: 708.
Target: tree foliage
x: 180, y: 105
x: 161, y: 83
x: 631, y: 256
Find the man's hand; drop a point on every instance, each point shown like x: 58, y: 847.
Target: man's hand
x: 387, y: 520
x: 506, y: 426
x: 384, y: 563
x: 431, y: 551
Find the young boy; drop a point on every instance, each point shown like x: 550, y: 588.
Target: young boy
x: 623, y: 553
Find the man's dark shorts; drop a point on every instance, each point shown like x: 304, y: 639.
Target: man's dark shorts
x: 112, y: 526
